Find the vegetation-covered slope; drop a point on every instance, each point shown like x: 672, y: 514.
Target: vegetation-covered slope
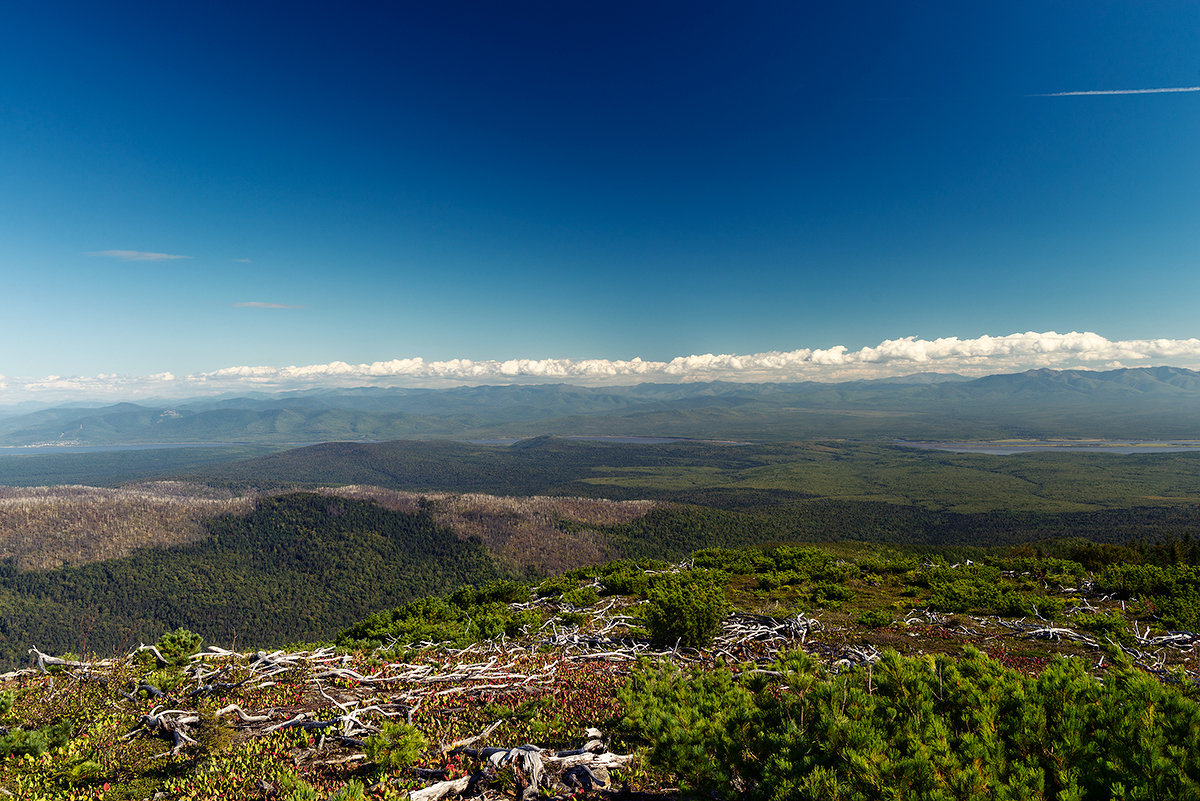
x: 297, y: 568
x: 44, y: 527
x: 747, y: 473
x: 857, y: 673
x: 301, y: 565
x: 116, y: 467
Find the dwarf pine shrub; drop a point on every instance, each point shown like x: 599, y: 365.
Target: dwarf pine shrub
x: 397, y: 746
x: 686, y: 608
x: 920, y: 728
x: 177, y: 646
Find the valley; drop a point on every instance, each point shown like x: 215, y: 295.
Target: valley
x: 510, y: 587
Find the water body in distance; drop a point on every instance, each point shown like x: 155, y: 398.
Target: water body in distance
x: 619, y: 440
x: 1008, y: 448
x: 30, y: 450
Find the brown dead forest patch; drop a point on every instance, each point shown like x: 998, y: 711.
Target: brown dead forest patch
x: 47, y: 527
x: 43, y: 528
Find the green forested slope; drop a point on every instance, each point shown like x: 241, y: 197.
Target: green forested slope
x: 297, y: 568
x: 793, y: 491
x: 777, y: 673
x: 110, y: 468
x: 1053, y: 482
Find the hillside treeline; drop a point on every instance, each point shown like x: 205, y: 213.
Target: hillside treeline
x: 298, y: 567
x: 676, y: 530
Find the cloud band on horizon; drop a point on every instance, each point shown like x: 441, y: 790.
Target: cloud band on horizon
x: 894, y: 357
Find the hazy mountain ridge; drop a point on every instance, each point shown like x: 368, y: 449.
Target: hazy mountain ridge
x: 1144, y: 402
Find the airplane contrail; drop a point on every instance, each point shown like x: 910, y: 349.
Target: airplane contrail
x: 1164, y: 90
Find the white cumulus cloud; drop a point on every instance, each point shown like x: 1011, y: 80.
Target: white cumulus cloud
x: 977, y: 356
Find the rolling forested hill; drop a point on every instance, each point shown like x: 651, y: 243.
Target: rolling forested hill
x: 297, y: 567
x: 739, y: 474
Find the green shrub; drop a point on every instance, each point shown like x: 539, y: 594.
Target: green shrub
x: 486, y: 626
x: 1172, y: 593
x: 881, y: 565
x: 698, y: 723
x: 167, y: 679
x: 521, y: 621
x: 581, y: 596
x: 428, y: 619
x: 774, y: 579
x: 212, y: 734
x: 504, y: 591
x: 741, y: 561
x: 572, y: 618
x: 397, y: 746
x: 806, y: 562
x: 626, y: 576
x: 965, y: 589
x: 1015, y: 604
x: 292, y: 788
x: 1106, y: 624
x: 554, y: 587
x: 456, y: 619
x: 178, y: 646
x: 83, y: 771
x: 631, y: 581
x: 923, y: 728
x: 826, y: 593
x: 352, y: 791
x: 35, y: 742
x: 875, y: 618
x: 1047, y: 606
x: 686, y: 608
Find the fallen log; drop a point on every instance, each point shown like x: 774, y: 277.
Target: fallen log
x: 440, y: 790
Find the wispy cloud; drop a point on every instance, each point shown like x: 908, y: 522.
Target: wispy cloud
x: 1160, y: 91
x: 137, y: 255
x: 242, y: 261
x: 255, y: 304
x: 983, y: 355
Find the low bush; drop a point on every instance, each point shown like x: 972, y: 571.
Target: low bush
x: 554, y: 587
x: 178, y: 646
x: 686, y: 608
x: 582, y: 596
x: 829, y: 594
x: 922, y: 728
x: 34, y: 742
x: 397, y: 746
x: 1172, y: 592
x: 1106, y: 624
x: 875, y: 619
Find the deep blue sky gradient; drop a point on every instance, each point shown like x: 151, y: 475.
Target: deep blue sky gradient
x: 608, y: 180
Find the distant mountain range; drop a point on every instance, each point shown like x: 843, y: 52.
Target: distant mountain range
x: 1150, y: 402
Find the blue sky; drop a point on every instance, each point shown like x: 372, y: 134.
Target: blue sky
x: 589, y: 181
